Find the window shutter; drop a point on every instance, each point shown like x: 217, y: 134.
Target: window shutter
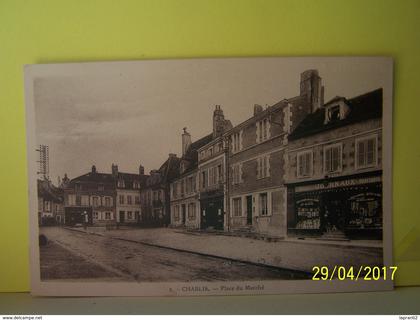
x: 328, y: 160
x: 268, y: 129
x: 258, y: 167
x: 370, y: 152
x: 361, y: 153
x: 240, y: 173
x: 258, y: 131
x: 268, y: 166
x: 240, y: 140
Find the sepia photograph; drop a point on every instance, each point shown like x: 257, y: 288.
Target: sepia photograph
x: 210, y: 176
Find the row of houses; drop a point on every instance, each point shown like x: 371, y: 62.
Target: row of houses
x: 300, y: 167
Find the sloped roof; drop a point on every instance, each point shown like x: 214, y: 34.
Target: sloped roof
x: 48, y: 191
x: 364, y: 107
x: 94, y: 177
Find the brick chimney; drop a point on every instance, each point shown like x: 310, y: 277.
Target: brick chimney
x: 257, y: 109
x: 114, y: 169
x: 311, y: 88
x: 186, y: 141
x: 141, y: 170
x: 93, y: 169
x: 218, y: 121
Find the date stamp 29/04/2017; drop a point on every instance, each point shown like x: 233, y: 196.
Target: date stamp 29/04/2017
x: 364, y: 273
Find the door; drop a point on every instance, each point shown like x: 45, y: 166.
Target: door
x: 122, y: 216
x: 184, y: 213
x: 249, y: 210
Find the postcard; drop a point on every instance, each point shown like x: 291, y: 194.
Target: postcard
x: 235, y: 176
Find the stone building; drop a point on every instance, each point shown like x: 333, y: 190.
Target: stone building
x: 185, y: 204
x: 212, y: 177
x: 257, y: 160
x: 155, y: 194
x: 128, y: 208
x: 50, y: 203
x: 90, y: 198
x: 334, y: 181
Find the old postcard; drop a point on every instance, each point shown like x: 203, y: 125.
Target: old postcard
x: 210, y: 176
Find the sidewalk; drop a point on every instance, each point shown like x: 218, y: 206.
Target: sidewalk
x: 296, y: 255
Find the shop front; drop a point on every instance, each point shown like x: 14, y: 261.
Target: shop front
x: 350, y: 208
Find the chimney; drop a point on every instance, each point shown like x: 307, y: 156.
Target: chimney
x: 141, y: 170
x: 186, y: 141
x: 218, y: 121
x: 172, y: 155
x: 311, y: 89
x: 114, y: 169
x: 257, y: 109
x: 93, y: 169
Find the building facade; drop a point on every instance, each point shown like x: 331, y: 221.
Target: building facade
x: 212, y: 175
x: 128, y: 208
x: 90, y: 199
x: 257, y: 161
x: 335, y: 178
x: 185, y: 203
x: 155, y: 194
x: 50, y: 204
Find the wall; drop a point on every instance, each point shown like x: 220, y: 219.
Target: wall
x: 70, y: 31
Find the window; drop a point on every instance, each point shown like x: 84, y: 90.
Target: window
x: 237, y: 141
x: 213, y: 176
x: 95, y: 215
x: 129, y: 215
x: 129, y: 200
x: 137, y: 200
x: 191, y: 211
x: 176, y: 213
x: 121, y: 199
x: 332, y: 158
x: 121, y: 184
x: 137, y: 215
x: 95, y: 202
x: 78, y: 187
x: 237, y: 207
x: 107, y: 201
x: 366, y: 155
x: 263, y: 167
x: 219, y: 173
x: 47, y: 206
x: 237, y: 173
x: 107, y: 215
x: 263, y: 204
x: 190, y: 184
x: 71, y: 199
x: 182, y: 187
x: 203, y: 179
x: 333, y: 113
x: 263, y: 130
x: 101, y: 187
x: 202, y: 155
x: 78, y: 200
x: 136, y: 185
x: 304, y: 164
x: 210, y: 151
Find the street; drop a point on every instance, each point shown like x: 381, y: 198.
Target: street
x: 107, y: 258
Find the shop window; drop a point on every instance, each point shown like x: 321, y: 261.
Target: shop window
x: 307, y: 211
x: 332, y: 158
x: 304, y: 164
x: 365, y: 211
x: 263, y: 204
x: 237, y: 207
x: 366, y: 154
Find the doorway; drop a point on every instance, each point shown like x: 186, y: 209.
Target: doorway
x: 122, y: 216
x: 249, y: 210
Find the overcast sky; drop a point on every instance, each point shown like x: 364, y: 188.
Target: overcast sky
x: 132, y: 113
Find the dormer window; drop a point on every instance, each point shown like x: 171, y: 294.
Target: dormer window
x: 333, y: 113
x: 136, y: 185
x: 121, y: 184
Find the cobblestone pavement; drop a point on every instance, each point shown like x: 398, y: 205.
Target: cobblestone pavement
x: 134, y: 261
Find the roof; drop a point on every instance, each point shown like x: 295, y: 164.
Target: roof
x: 94, y: 177
x: 48, y: 191
x: 167, y: 172
x: 364, y: 107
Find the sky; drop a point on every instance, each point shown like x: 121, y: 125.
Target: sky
x: 132, y: 113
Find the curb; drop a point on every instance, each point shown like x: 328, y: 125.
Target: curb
x: 303, y: 273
